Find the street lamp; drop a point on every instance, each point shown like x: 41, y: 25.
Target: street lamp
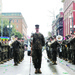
x: 72, y: 22
x: 9, y: 27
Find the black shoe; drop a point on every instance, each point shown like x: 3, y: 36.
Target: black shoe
x: 15, y: 64
x: 39, y: 71
x: 73, y: 63
x: 54, y: 64
x: 48, y: 61
x: 36, y: 71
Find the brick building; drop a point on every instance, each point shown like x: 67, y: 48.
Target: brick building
x: 19, y: 22
x: 53, y: 28
x: 59, y: 24
x: 0, y: 6
x: 69, y: 16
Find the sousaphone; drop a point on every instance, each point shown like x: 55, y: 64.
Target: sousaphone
x: 59, y: 38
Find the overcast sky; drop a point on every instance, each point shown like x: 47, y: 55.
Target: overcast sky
x: 34, y: 12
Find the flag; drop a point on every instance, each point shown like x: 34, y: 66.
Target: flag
x: 28, y: 37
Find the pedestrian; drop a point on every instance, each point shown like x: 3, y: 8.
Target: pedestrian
x: 69, y: 49
x: 47, y: 48
x: 72, y: 47
x: 16, y: 51
x: 66, y: 49
x: 54, y: 46
x: 50, y: 48
x: 60, y: 49
x: 38, y: 42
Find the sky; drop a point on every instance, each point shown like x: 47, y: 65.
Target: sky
x: 35, y: 12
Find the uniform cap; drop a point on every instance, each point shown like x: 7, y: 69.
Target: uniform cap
x: 66, y: 37
x: 48, y: 38
x: 54, y: 36
x: 37, y: 26
x: 16, y: 36
x: 51, y: 38
x: 69, y: 35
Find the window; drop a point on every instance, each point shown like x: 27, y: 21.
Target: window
x: 17, y: 21
x: 17, y: 30
x: 17, y: 26
x: 13, y: 21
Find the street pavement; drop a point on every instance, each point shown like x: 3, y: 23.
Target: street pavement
x: 26, y: 67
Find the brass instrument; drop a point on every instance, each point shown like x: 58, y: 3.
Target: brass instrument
x: 59, y: 38
x: 49, y: 43
x: 12, y: 40
x: 53, y: 41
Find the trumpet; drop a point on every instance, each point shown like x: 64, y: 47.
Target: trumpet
x: 49, y: 43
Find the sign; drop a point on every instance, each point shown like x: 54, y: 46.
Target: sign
x: 6, y: 39
x: 0, y: 39
x: 3, y: 39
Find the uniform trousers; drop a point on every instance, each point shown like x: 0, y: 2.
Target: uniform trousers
x: 36, y: 58
x: 54, y: 56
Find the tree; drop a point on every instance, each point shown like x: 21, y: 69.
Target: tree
x: 5, y: 29
x: 5, y: 23
x: 49, y: 34
x: 18, y: 34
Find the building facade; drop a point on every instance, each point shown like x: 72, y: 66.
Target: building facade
x: 59, y: 24
x: 69, y: 16
x: 53, y: 28
x: 0, y: 6
x: 18, y: 21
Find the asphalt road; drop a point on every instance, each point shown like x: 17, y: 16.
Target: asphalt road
x: 27, y: 68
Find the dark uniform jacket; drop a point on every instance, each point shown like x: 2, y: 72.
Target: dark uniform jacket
x: 55, y: 44
x: 72, y: 43
x: 16, y: 45
x: 38, y: 41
